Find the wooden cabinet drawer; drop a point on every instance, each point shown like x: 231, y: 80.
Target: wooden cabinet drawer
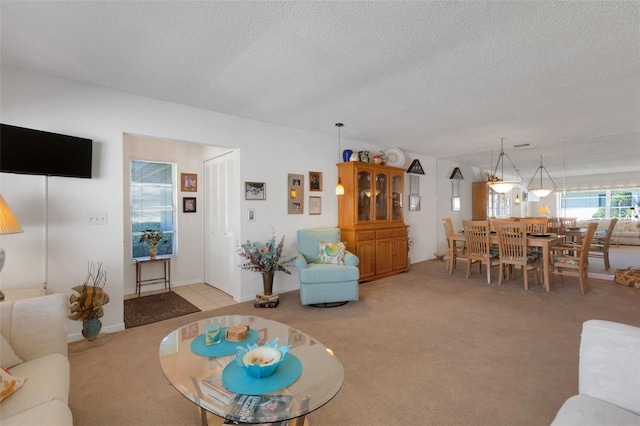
x: 400, y: 232
x: 384, y: 233
x: 365, y: 235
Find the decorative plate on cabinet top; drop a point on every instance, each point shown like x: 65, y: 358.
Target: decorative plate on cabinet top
x: 395, y: 157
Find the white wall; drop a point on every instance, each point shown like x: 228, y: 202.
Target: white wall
x: 267, y: 152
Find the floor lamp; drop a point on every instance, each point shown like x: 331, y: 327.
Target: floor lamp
x: 8, y: 225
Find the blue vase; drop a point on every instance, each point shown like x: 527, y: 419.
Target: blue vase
x: 91, y: 328
x: 346, y: 154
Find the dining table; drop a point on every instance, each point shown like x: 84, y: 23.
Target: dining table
x: 542, y: 241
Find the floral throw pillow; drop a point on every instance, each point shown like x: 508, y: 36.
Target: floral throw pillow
x: 9, y: 384
x: 331, y: 253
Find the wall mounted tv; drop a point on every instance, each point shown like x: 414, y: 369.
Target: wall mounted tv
x: 36, y: 152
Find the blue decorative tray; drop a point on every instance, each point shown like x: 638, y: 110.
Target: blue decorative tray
x: 225, y: 347
x: 237, y: 380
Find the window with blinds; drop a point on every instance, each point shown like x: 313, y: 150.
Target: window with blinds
x: 152, y: 205
x: 601, y: 204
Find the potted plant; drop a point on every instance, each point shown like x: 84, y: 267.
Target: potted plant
x: 266, y: 259
x: 87, y: 305
x: 153, y: 238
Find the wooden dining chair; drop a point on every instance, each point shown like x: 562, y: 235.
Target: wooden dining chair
x: 479, y: 250
x: 513, y: 251
x: 553, y: 225
x: 567, y: 222
x: 600, y: 245
x: 536, y: 225
x: 455, y: 249
x: 573, y: 260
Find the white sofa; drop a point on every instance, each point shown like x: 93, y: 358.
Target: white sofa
x: 36, y: 330
x: 609, y: 377
x: 626, y: 232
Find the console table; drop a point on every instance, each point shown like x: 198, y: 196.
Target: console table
x: 164, y: 279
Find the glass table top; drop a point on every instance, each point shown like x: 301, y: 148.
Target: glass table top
x: 321, y: 378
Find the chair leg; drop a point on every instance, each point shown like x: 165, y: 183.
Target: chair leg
x: 469, y: 268
x: 488, y: 272
x: 605, y: 255
x: 525, y: 277
x: 583, y: 287
x: 501, y: 272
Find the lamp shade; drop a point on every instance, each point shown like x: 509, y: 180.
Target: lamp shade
x: 541, y: 192
x: 502, y: 186
x: 8, y: 222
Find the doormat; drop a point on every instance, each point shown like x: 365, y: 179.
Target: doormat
x: 157, y: 307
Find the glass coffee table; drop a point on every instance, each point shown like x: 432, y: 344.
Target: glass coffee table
x: 309, y: 377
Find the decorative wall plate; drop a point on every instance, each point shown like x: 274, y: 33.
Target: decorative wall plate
x: 395, y: 157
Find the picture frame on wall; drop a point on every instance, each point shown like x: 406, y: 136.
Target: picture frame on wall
x: 255, y: 191
x: 295, y: 191
x: 188, y: 182
x: 315, y: 181
x: 189, y: 204
x: 414, y: 202
x: 414, y: 186
x: 315, y: 205
x: 251, y: 215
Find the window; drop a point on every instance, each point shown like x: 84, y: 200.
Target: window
x: 152, y: 205
x: 601, y: 204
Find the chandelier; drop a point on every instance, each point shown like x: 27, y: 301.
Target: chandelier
x: 541, y: 191
x: 501, y: 186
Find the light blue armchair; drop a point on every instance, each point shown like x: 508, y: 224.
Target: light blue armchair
x: 325, y: 284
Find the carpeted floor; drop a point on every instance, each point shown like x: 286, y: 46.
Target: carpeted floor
x: 420, y: 348
x: 156, y: 307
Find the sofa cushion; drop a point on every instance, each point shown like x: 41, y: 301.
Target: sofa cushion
x: 8, y: 357
x: 582, y: 410
x: 622, y: 226
x: 52, y: 413
x: 9, y: 383
x: 328, y: 273
x: 331, y: 253
x: 47, y: 380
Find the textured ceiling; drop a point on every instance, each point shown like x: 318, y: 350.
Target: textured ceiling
x: 437, y: 78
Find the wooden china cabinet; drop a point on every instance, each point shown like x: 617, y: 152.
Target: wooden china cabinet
x: 371, y: 218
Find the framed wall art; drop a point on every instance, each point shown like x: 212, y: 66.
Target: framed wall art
x: 295, y: 196
x: 414, y: 187
x: 315, y: 205
x: 414, y: 202
x: 255, y: 191
x: 251, y: 215
x: 315, y: 181
x: 188, y: 204
x: 188, y: 182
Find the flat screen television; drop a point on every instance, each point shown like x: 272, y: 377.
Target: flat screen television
x: 36, y: 152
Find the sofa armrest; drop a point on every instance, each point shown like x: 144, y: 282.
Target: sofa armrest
x: 39, y: 326
x: 610, y: 363
x: 300, y: 262
x: 351, y: 259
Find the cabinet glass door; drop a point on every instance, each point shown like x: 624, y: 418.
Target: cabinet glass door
x: 382, y: 197
x: 397, y: 189
x: 364, y: 196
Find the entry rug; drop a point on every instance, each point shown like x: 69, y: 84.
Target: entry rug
x: 157, y: 307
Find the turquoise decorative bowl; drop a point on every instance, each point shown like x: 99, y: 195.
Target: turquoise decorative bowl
x: 261, y: 361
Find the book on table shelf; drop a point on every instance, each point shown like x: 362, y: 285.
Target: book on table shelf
x: 264, y: 409
x: 212, y: 387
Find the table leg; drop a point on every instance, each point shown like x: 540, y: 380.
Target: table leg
x: 138, y: 278
x: 545, y: 265
x: 169, y: 273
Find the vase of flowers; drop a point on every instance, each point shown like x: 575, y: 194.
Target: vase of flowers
x: 265, y: 258
x: 87, y: 305
x: 152, y: 238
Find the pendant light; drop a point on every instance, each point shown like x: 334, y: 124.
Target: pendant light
x: 339, y: 187
x: 541, y: 192
x: 501, y: 186
x: 517, y: 199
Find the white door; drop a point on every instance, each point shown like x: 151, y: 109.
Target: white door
x: 219, y: 223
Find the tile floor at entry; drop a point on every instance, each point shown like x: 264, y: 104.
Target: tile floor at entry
x: 203, y: 296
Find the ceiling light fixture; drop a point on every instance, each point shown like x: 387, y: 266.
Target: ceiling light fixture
x: 501, y: 186
x: 339, y: 186
x: 517, y: 199
x: 541, y: 192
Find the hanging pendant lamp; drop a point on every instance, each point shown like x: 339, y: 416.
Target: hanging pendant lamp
x: 517, y: 199
x: 339, y: 186
x: 541, y: 192
x: 501, y: 186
